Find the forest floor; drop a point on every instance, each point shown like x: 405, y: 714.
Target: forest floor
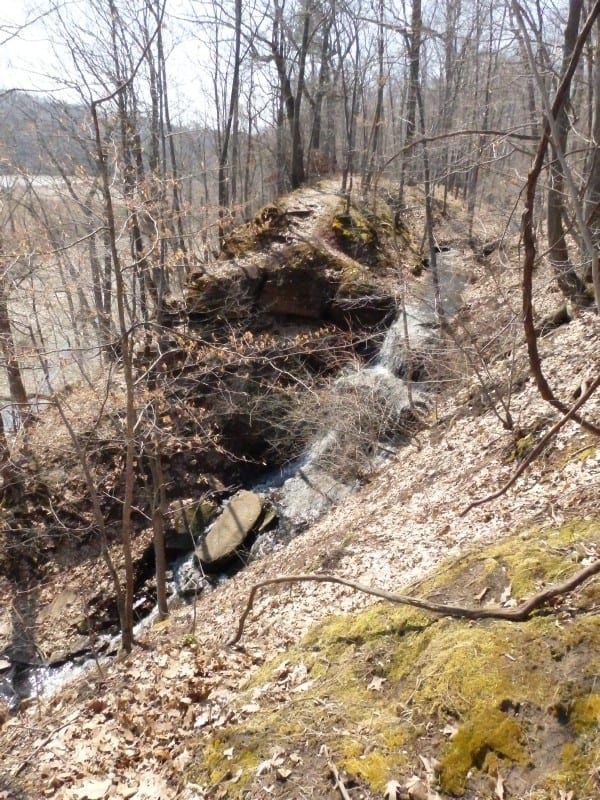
x: 139, y: 726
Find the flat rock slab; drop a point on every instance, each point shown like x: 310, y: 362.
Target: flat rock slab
x: 230, y: 529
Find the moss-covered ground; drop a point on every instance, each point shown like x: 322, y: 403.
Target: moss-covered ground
x: 484, y: 702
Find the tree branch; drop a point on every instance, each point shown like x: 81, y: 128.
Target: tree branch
x: 529, y: 238
x: 518, y: 614
x: 536, y: 450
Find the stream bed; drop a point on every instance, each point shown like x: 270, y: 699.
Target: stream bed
x: 387, y: 393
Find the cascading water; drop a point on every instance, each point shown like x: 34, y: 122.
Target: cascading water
x: 389, y: 391
x: 383, y: 394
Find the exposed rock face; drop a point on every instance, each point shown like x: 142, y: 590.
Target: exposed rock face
x: 226, y: 293
x: 234, y: 524
x: 300, y: 292
x: 286, y: 265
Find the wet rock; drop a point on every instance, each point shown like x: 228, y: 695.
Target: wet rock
x: 186, y: 520
x: 77, y: 647
x: 237, y: 520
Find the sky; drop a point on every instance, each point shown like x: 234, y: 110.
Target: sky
x: 29, y: 59
x: 22, y: 57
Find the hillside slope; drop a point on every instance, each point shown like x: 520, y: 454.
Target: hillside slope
x: 185, y: 716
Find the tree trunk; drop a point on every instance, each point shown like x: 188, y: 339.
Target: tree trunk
x: 224, y: 172
x: 158, y: 527
x: 570, y: 283
x: 18, y: 394
x: 298, y: 175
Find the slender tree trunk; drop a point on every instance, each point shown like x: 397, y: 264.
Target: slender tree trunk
x: 592, y: 196
x: 569, y: 281
x: 124, y: 597
x: 376, y: 135
x: 16, y: 386
x: 158, y: 527
x: 298, y: 175
x: 225, y: 169
x: 413, y: 46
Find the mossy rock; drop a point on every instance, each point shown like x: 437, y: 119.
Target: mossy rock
x: 231, y: 528
x: 186, y: 520
x: 357, y: 235
x: 270, y: 223
x: 390, y: 684
x: 300, y: 281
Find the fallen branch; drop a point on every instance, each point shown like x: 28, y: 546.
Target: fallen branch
x: 519, y: 613
x: 536, y: 450
x: 338, y: 782
x: 17, y: 771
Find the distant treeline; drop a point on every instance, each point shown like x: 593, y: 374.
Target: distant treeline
x: 39, y: 135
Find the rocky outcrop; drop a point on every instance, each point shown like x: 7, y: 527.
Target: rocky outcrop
x: 232, y: 527
x: 228, y: 292
x: 308, y: 263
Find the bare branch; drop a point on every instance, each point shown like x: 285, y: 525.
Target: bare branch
x: 536, y: 450
x: 518, y: 614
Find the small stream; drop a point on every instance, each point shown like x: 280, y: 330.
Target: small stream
x: 308, y: 487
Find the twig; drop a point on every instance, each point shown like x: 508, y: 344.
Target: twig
x: 517, y: 614
x: 536, y: 450
x: 17, y: 771
x: 337, y: 778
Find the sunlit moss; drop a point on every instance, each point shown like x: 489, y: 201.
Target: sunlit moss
x: 486, y: 736
x: 386, y: 685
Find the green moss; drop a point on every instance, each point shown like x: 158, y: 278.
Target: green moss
x: 383, y: 685
x: 224, y: 761
x: 267, y: 223
x: 489, y: 732
x: 573, y: 773
x: 356, y: 233
x: 520, y: 448
x: 585, y: 713
x: 374, y: 768
x: 589, y: 452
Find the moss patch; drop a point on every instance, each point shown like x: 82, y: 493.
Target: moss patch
x: 480, y: 742
x: 268, y: 224
x: 356, y: 234
x: 390, y: 684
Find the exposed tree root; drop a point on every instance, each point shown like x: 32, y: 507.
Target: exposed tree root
x: 519, y: 613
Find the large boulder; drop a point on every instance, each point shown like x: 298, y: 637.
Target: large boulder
x: 237, y: 520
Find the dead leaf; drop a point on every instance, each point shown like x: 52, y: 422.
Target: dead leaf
x: 92, y: 790
x: 506, y: 595
x: 499, y: 787
x: 283, y: 773
x: 417, y: 789
x: 126, y: 792
x: 450, y: 730
x: 479, y: 597
x: 376, y: 684
x: 392, y: 790
x: 250, y: 708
